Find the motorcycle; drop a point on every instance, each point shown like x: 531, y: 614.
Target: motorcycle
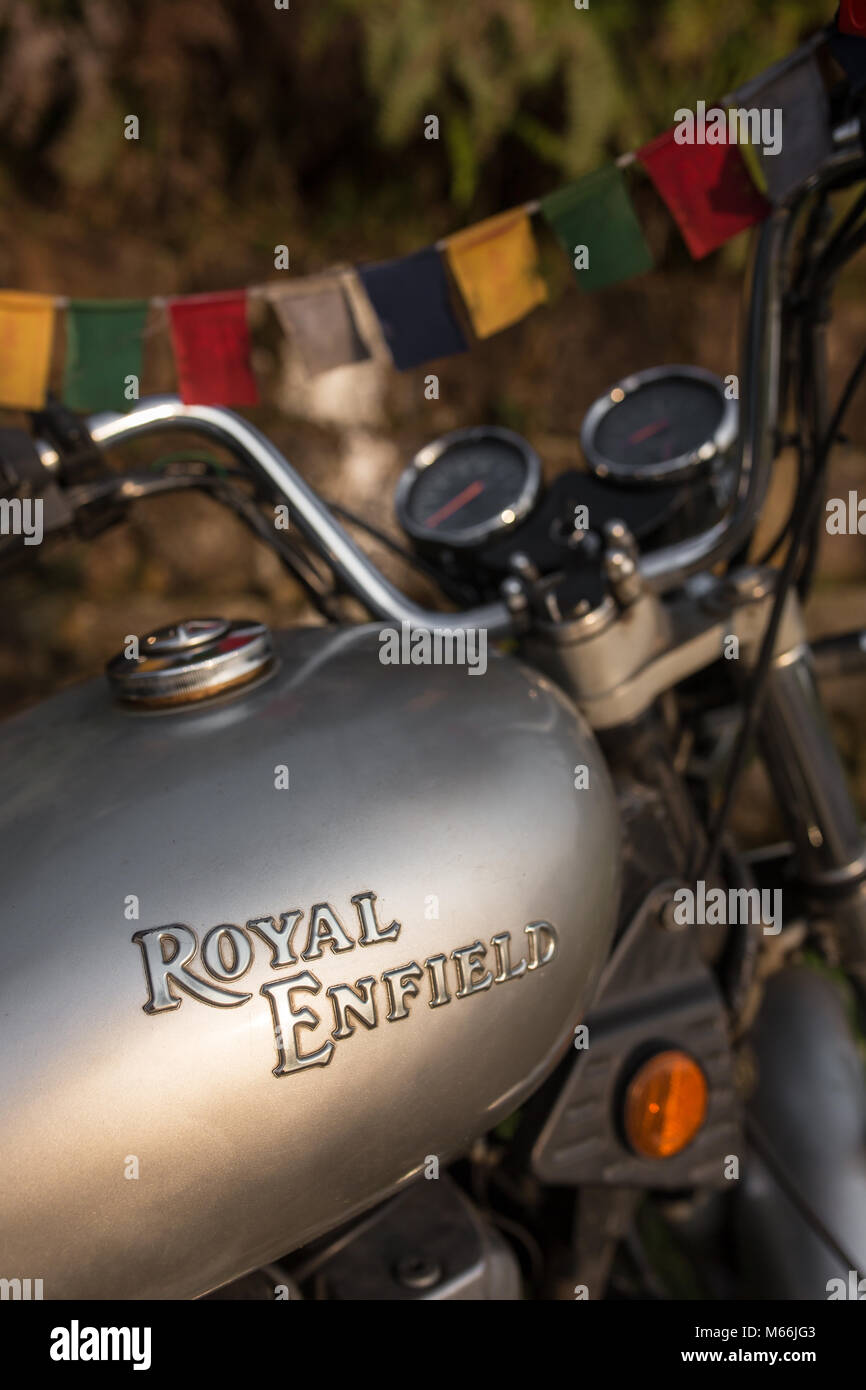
x: 415, y: 958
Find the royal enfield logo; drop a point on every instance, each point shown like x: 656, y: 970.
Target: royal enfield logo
x: 174, y: 965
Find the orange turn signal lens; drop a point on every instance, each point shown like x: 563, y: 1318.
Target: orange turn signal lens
x: 665, y: 1104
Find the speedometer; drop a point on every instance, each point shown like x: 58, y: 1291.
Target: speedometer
x: 468, y: 486
x: 660, y: 426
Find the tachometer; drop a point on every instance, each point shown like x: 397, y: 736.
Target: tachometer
x: 659, y: 426
x: 467, y: 487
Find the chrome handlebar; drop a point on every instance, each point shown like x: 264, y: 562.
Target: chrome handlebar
x: 662, y: 570
x: 307, y: 510
x: 671, y: 566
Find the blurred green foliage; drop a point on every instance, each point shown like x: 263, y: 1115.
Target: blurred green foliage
x: 612, y: 74
x: 323, y: 105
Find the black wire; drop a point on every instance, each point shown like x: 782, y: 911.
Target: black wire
x: 846, y: 240
x: 221, y: 489
x: 811, y: 282
x: 810, y: 428
x: 834, y: 258
x: 801, y: 303
x: 292, y: 556
x: 752, y: 704
x: 808, y: 240
x: 460, y: 593
x: 812, y: 537
x: 788, y: 375
x: 802, y: 468
x: 841, y: 232
x: 785, y: 527
x: 741, y: 556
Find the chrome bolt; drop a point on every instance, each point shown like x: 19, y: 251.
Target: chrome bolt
x: 417, y: 1272
x: 619, y: 537
x: 625, y: 578
x: 514, y: 595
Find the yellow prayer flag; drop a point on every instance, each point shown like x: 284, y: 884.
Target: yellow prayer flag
x: 752, y: 161
x: 26, y: 332
x: 495, y: 264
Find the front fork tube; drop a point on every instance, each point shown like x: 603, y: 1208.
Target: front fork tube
x: 810, y: 783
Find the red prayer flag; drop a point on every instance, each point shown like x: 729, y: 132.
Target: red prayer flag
x: 707, y: 188
x: 211, y: 343
x: 852, y: 17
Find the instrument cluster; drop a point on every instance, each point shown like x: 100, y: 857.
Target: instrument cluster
x: 658, y: 456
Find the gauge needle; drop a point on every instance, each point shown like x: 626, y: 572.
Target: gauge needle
x: 647, y: 431
x: 455, y: 504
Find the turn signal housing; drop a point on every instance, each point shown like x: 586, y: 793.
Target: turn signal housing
x: 665, y: 1104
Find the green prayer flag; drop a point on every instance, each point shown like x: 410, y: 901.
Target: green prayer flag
x: 103, y: 349
x: 596, y: 224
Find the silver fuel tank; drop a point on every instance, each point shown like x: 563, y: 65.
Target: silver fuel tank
x: 263, y: 958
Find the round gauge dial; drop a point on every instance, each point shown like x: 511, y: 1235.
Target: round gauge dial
x: 468, y: 486
x: 659, y: 426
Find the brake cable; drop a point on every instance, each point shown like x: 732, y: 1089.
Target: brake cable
x: 848, y: 238
x: 812, y: 279
x: 803, y: 513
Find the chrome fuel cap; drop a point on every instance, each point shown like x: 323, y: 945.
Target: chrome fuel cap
x: 194, y: 660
